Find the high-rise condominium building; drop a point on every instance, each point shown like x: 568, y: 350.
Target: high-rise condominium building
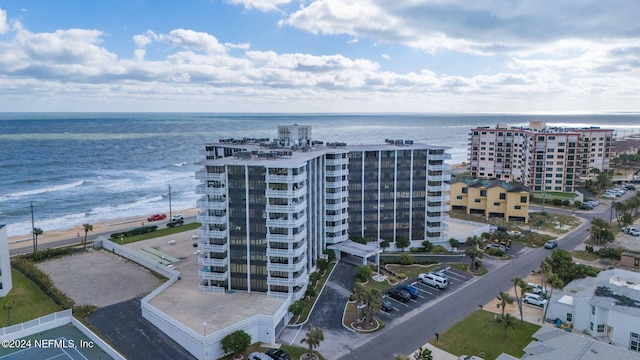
x: 5, y: 263
x: 543, y: 158
x: 271, y: 206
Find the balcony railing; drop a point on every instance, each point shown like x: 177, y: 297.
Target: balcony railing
x: 338, y: 228
x: 211, y: 289
x: 204, y: 176
x: 206, y: 275
x: 287, y: 267
x: 338, y: 217
x: 337, y: 195
x: 211, y: 205
x: 206, y: 261
x: 208, y: 219
x: 290, y: 194
x: 206, y: 247
x: 297, y: 281
x: 215, y: 234
x: 210, y: 190
x: 288, y: 223
x: 286, y: 179
x: 293, y: 208
x: 287, y: 238
x: 293, y: 253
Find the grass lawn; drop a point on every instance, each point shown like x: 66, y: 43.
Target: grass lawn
x: 158, y: 233
x: 29, y: 301
x: 479, y: 332
x: 581, y: 254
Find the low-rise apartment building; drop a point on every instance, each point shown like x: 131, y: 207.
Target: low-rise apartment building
x: 542, y: 158
x: 509, y: 201
x: 606, y: 306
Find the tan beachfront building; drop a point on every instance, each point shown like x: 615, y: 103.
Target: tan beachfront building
x: 491, y: 198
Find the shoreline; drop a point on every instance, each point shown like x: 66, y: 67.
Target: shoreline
x: 114, y: 225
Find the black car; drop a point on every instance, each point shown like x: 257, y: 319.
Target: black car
x: 400, y: 295
x: 277, y: 354
x: 387, y: 305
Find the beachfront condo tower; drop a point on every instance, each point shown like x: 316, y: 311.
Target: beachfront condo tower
x: 271, y: 207
x: 5, y: 263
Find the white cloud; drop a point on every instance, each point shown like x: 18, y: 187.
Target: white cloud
x: 262, y: 5
x: 386, y: 56
x: 353, y: 41
x: 189, y: 39
x: 4, y: 26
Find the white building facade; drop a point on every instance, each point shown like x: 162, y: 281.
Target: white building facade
x: 271, y: 207
x: 543, y: 158
x: 5, y: 263
x: 605, y: 306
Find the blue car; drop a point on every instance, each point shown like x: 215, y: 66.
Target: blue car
x: 410, y: 289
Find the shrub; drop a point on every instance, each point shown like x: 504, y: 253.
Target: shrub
x: 52, y: 253
x: 611, y: 253
x: 314, y: 277
x: 439, y: 249
x: 364, y: 273
x: 454, y: 243
x: 427, y: 245
x: 589, y: 249
x: 477, y: 265
x: 556, y: 202
x: 495, y: 252
x: 42, y: 280
x: 323, y: 265
x: 406, y: 259
x: 566, y: 203
x: 577, y: 203
x: 331, y: 255
x: 236, y: 342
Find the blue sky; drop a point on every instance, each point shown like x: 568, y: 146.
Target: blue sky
x: 430, y: 56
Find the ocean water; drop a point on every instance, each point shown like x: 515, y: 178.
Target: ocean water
x: 80, y: 168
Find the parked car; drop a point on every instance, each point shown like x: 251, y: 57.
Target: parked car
x: 630, y: 187
x: 387, y: 305
x: 177, y: 217
x: 634, y: 232
x: 434, y: 280
x: 277, y: 354
x: 469, y: 357
x: 410, y: 289
x: 536, y: 289
x: 259, y: 356
x: 400, y: 295
x: 495, y: 246
x: 157, y: 217
x: 628, y: 229
x: 174, y: 223
x: 585, y: 206
x: 551, y: 244
x: 534, y: 299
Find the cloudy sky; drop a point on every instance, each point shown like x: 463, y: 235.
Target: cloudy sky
x: 452, y: 56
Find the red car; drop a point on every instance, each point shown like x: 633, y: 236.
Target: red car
x: 157, y: 217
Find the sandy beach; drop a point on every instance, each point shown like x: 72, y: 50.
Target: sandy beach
x: 115, y: 225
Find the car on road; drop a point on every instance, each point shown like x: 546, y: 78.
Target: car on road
x: 400, y: 295
x: 277, y: 354
x: 410, y: 289
x: 157, y: 217
x: 551, y: 244
x: 434, y: 280
x: 177, y: 217
x: 387, y: 305
x: 534, y: 299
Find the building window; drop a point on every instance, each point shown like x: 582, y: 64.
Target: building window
x: 503, y: 196
x: 593, y: 312
x: 600, y: 328
x: 465, y: 190
x: 483, y: 192
x: 477, y: 200
x: 634, y: 342
x: 459, y: 197
x: 517, y: 207
x: 569, y: 317
x: 591, y: 326
x: 523, y: 199
x: 496, y: 204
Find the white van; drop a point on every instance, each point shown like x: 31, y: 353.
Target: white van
x: 434, y: 280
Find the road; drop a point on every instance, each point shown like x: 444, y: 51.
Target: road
x: 407, y: 336
x: 28, y: 245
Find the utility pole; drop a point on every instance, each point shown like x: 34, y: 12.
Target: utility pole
x: 169, y: 202
x: 33, y: 231
x: 613, y: 203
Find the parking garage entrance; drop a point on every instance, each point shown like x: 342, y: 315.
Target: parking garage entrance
x: 360, y: 250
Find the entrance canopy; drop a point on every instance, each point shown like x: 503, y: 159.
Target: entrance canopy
x: 353, y: 248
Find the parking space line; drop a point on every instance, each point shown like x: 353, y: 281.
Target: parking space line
x: 398, y: 301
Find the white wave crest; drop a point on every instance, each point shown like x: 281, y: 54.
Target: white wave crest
x: 42, y: 190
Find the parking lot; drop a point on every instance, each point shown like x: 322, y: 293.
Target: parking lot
x: 426, y: 293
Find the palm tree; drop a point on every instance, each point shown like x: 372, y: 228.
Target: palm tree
x: 423, y: 354
x: 86, y: 228
x: 313, y: 339
x: 360, y: 293
x: 518, y: 283
x: 507, y: 321
x: 556, y: 283
x: 36, y: 232
x: 473, y: 251
x: 374, y: 304
x: 504, y: 299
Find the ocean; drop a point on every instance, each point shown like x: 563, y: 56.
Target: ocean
x: 78, y: 168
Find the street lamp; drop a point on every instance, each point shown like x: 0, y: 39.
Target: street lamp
x: 169, y: 202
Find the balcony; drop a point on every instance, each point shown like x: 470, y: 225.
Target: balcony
x: 439, y: 178
x: 208, y: 219
x: 206, y: 275
x: 211, y: 205
x: 205, y: 246
x: 204, y: 176
x: 210, y: 190
x: 293, y: 253
x: 338, y: 161
x: 287, y: 238
x: 336, y: 195
x: 286, y: 179
x: 204, y: 260
x: 338, y: 217
x: 287, y: 223
x: 289, y: 194
x: 338, y: 183
x: 336, y: 228
x: 336, y: 173
x: 292, y: 208
x: 287, y: 267
x: 302, y: 279
x: 215, y: 234
x: 211, y: 289
x: 437, y: 208
x: 443, y: 167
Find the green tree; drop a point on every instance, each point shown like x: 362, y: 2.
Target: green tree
x: 360, y: 294
x: 297, y: 308
x: 473, y: 250
x: 427, y: 245
x: 364, y: 273
x: 507, y: 321
x: 600, y: 232
x: 36, y: 232
x: 405, y: 259
x: 384, y: 244
x: 313, y: 338
x: 454, y: 243
x: 518, y: 287
x: 555, y: 283
x: 402, y: 242
x: 374, y: 304
x: 314, y: 277
x: 323, y: 265
x: 86, y: 228
x: 310, y: 293
x: 236, y: 342
x: 504, y: 299
x: 423, y: 354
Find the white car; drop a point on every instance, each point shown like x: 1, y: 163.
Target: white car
x: 634, y: 232
x: 534, y: 299
x: 434, y: 280
x: 177, y: 217
x: 536, y: 289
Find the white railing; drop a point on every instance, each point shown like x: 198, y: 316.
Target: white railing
x: 206, y: 247
x: 299, y: 281
x: 206, y: 275
x: 211, y: 190
x: 211, y: 205
x: 203, y: 175
x: 289, y: 194
x: 287, y: 238
x: 286, y: 252
x: 286, y: 267
x: 286, y: 179
x: 210, y: 289
x: 289, y: 223
x: 294, y: 208
x: 209, y: 219
x: 203, y: 260
x: 215, y: 234
x: 139, y: 259
x: 337, y: 195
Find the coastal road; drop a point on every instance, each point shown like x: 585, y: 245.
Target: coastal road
x: 406, y: 336
x: 26, y: 247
